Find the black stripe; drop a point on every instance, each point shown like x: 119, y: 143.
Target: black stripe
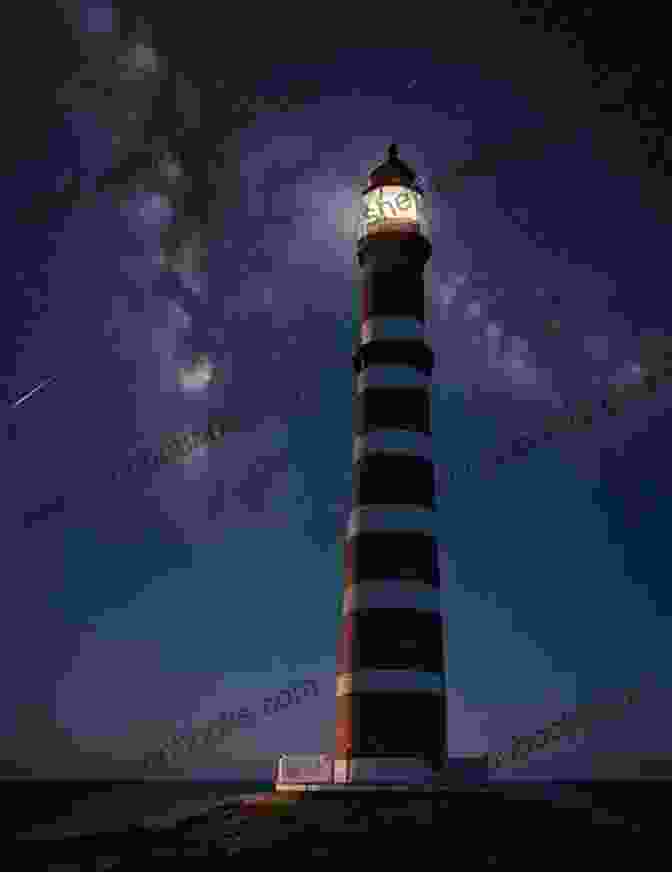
x: 401, y: 293
x: 393, y: 478
x: 389, y: 555
x: 395, y: 723
x: 391, y: 639
x: 405, y: 408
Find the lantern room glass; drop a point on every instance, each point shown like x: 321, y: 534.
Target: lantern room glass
x: 392, y: 207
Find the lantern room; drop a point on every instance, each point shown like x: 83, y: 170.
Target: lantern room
x: 393, y: 201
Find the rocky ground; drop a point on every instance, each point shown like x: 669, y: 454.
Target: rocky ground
x: 470, y: 831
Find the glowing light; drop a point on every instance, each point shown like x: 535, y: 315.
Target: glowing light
x: 390, y: 206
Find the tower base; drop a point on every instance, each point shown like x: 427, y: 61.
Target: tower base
x: 459, y: 773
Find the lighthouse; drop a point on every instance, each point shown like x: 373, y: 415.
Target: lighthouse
x: 390, y: 682
x: 390, y: 673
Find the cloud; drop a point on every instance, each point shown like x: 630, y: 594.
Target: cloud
x: 156, y: 209
x: 198, y: 375
x: 139, y: 61
x: 189, y: 263
x: 517, y: 362
x: 631, y: 382
x: 520, y: 371
x: 170, y: 167
x: 323, y: 233
x: 288, y: 149
x: 597, y: 347
x: 487, y: 360
x: 473, y: 310
x: 446, y: 294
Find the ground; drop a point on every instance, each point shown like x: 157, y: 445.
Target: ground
x: 469, y: 831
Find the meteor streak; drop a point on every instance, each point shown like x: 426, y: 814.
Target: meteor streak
x: 30, y: 393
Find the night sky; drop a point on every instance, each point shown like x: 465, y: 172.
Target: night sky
x: 178, y: 185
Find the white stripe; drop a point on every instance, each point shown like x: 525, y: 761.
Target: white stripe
x: 410, y: 441
x: 391, y: 376
x: 392, y: 328
x: 381, y: 518
x: 413, y: 770
x: 391, y: 594
x: 402, y: 681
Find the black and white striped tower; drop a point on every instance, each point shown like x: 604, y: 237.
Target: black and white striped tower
x: 390, y: 684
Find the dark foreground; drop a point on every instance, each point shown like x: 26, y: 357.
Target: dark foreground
x: 610, y: 826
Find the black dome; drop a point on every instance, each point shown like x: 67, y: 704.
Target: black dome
x: 393, y: 167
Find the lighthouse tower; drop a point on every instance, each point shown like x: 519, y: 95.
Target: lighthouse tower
x: 390, y: 675
x: 390, y: 683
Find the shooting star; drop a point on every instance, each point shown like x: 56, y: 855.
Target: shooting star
x: 30, y: 393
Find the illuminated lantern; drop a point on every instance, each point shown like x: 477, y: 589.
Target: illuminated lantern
x: 393, y: 201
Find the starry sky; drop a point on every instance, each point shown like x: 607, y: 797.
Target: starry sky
x: 179, y: 221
